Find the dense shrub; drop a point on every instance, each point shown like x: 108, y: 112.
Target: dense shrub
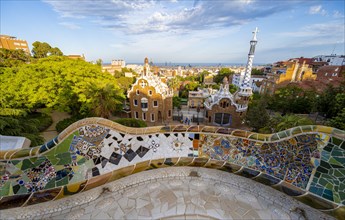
x: 61, y: 125
x: 44, y: 120
x: 131, y: 122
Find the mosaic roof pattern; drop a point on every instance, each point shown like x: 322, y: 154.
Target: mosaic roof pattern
x: 307, y: 162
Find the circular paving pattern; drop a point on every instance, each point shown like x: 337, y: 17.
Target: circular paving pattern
x: 174, y: 192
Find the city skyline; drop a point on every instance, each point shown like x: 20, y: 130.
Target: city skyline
x: 179, y: 31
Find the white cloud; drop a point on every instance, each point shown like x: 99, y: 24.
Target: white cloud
x: 70, y: 25
x: 317, y: 9
x: 148, y: 16
x: 337, y: 14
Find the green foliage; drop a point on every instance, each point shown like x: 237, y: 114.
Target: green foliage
x: 331, y: 101
x: 56, y: 82
x: 13, y: 112
x: 63, y: 124
x: 256, y: 71
x: 102, y: 99
x: 224, y: 72
x: 257, y: 116
x: 292, y: 99
x: 176, y: 102
x: 13, y: 58
x: 279, y: 123
x: 131, y: 122
x: 44, y: 120
x: 339, y: 120
x: 22, y: 126
x: 43, y: 49
x: 191, y: 86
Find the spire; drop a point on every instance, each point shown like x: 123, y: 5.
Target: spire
x: 247, y: 74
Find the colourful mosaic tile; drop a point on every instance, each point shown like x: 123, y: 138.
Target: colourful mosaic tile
x: 94, y: 154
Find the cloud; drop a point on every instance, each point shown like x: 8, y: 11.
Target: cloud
x: 337, y: 14
x: 70, y: 25
x: 150, y: 16
x: 317, y: 34
x: 317, y: 9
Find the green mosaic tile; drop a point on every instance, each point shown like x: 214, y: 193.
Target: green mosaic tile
x: 336, y: 141
x: 22, y: 190
x: 340, y: 159
x: 27, y: 164
x: 342, y: 146
x: 334, y: 161
x: 50, y: 184
x: 6, y: 190
x: 336, y: 152
x: 62, y: 182
x: 15, y: 162
x: 64, y: 158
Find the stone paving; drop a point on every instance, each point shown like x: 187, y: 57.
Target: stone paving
x: 173, y: 193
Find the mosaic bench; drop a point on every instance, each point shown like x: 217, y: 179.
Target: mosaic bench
x: 306, y: 162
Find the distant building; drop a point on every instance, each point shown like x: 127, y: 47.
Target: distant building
x: 121, y: 63
x: 255, y: 81
x: 226, y: 109
x: 116, y: 65
x: 293, y: 70
x: 329, y: 73
x: 12, y: 43
x: 197, y: 98
x: 150, y: 98
x: 332, y: 60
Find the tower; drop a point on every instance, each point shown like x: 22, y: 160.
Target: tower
x: 245, y: 90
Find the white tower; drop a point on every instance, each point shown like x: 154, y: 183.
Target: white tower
x: 245, y: 90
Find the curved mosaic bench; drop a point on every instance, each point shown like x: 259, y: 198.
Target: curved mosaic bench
x: 307, y: 162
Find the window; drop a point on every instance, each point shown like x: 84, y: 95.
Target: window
x: 136, y: 115
x: 144, y: 116
x: 152, y: 117
x: 144, y: 104
x: 135, y: 102
x: 169, y: 113
x: 150, y: 92
x: 137, y: 92
x: 155, y: 103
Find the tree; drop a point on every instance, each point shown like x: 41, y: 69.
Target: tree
x: 280, y: 123
x: 339, y: 120
x: 257, y: 117
x: 99, y: 62
x: 256, y: 71
x: 331, y: 101
x: 40, y: 50
x: 176, y: 102
x: 13, y: 58
x: 224, y: 72
x: 104, y: 99
x: 43, y: 49
x: 55, y: 52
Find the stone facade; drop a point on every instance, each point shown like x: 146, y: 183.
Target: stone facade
x: 150, y: 99
x: 225, y: 113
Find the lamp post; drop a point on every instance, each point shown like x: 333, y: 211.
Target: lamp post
x: 198, y: 110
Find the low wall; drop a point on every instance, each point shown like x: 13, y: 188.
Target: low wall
x: 305, y: 162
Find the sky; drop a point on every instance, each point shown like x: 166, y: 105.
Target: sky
x: 212, y: 31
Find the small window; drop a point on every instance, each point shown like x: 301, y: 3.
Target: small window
x: 135, y: 102
x: 136, y: 115
x: 137, y: 92
x: 155, y: 103
x: 144, y: 116
x: 152, y: 117
x: 150, y: 92
x: 169, y: 113
x: 144, y: 103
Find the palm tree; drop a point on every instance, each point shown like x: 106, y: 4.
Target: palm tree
x: 104, y: 99
x: 290, y: 121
